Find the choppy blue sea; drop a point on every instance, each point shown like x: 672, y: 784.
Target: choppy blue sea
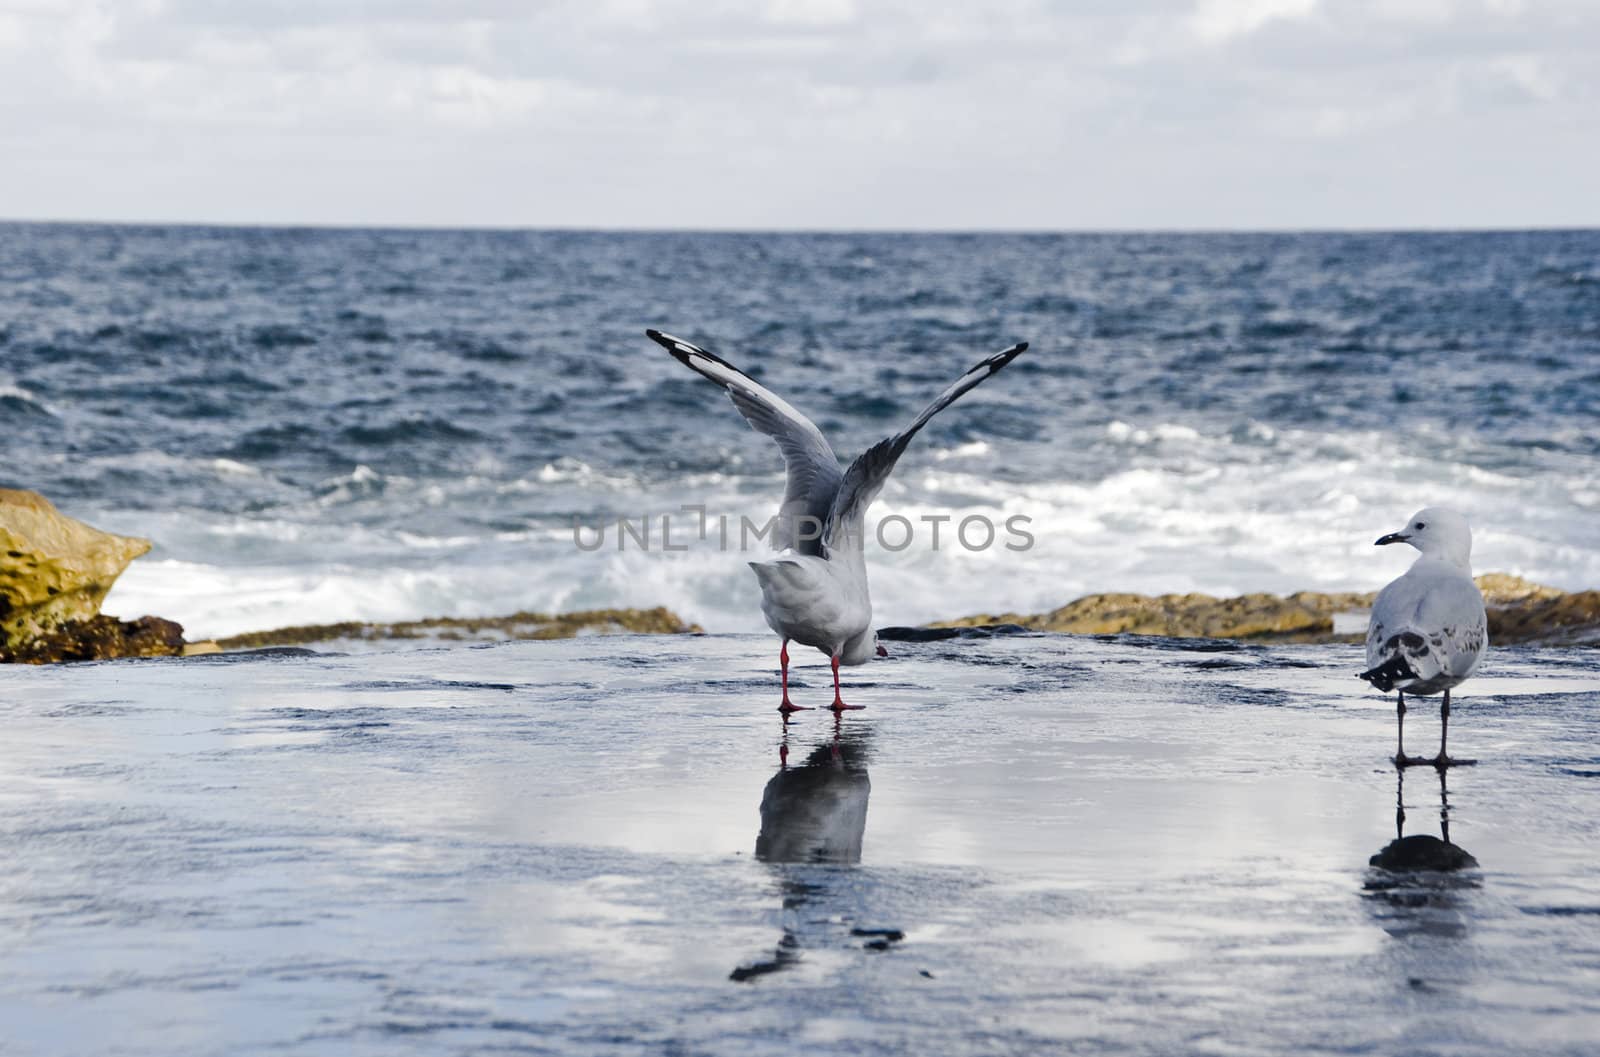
x: 321, y: 424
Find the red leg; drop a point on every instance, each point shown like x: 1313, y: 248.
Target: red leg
x: 838, y: 702
x: 783, y: 659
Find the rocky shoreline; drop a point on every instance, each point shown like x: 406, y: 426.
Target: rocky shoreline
x: 55, y: 571
x: 1520, y: 613
x: 657, y: 621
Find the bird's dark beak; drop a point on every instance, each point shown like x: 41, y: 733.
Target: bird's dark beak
x: 1393, y: 537
x: 881, y: 651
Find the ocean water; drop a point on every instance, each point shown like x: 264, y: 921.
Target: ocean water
x: 319, y: 425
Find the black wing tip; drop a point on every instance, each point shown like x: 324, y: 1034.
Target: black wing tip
x: 683, y: 350
x: 1385, y: 675
x: 666, y: 341
x: 1000, y: 359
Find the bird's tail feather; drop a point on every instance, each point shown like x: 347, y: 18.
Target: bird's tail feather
x: 784, y: 573
x: 1391, y: 671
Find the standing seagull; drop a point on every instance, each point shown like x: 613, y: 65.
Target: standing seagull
x: 1428, y: 629
x: 815, y: 591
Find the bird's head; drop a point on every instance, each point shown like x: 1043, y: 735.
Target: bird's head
x: 861, y: 649
x: 1437, y: 533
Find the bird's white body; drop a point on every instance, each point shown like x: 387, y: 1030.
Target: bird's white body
x: 1432, y: 618
x: 819, y: 602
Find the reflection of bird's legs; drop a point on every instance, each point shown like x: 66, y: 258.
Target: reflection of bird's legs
x: 783, y: 660
x: 837, y: 750
x: 838, y: 702
x: 1444, y: 808
x: 1400, y: 736
x: 1400, y: 805
x: 783, y: 747
x: 1443, y: 760
x: 1444, y: 725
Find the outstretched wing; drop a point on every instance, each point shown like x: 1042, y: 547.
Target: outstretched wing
x: 865, y: 477
x: 813, y: 468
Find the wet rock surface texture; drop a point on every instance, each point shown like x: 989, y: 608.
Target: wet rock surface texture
x: 1024, y: 844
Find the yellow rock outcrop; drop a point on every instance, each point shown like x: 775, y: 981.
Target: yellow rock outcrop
x: 1519, y: 611
x: 53, y: 569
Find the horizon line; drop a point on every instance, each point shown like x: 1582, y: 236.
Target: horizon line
x: 758, y: 230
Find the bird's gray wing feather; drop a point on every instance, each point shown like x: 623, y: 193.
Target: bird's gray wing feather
x: 812, y: 467
x: 865, y: 477
x: 1454, y: 606
x: 1441, y: 607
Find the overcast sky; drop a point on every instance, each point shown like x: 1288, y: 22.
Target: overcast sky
x: 1018, y: 114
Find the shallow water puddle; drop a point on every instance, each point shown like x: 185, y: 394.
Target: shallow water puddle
x: 460, y: 850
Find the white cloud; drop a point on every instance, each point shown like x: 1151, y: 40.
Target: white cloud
x: 812, y: 12
x: 1219, y: 20
x: 1528, y: 75
x: 821, y: 113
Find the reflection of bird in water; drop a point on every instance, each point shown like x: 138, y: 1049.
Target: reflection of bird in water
x: 812, y: 815
x: 1418, y: 880
x: 1421, y: 851
x: 817, y: 812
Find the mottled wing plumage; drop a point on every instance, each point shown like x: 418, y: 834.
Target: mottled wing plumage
x: 865, y: 477
x: 812, y: 467
x: 1429, y: 623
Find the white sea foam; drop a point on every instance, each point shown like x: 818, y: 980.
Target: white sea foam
x: 1190, y: 511
x: 227, y: 467
x: 12, y: 389
x: 970, y: 450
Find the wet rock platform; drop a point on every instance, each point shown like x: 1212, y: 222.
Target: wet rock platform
x: 1024, y: 844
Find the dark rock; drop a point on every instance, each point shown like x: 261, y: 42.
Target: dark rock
x: 98, y: 638
x: 939, y: 633
x: 266, y: 653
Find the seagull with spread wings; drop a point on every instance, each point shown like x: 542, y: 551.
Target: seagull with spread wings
x: 815, y: 591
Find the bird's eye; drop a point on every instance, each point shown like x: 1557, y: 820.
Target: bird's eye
x: 1420, y: 525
